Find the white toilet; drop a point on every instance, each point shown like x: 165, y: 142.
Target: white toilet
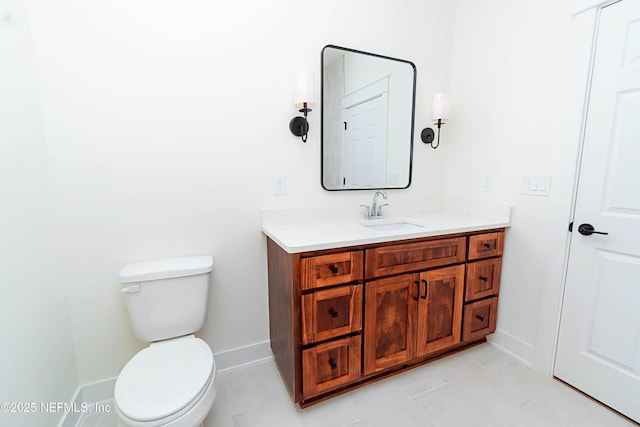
x: 171, y: 383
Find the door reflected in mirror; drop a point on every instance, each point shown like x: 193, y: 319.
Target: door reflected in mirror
x: 367, y: 120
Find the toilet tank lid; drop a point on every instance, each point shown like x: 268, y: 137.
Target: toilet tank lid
x: 166, y: 268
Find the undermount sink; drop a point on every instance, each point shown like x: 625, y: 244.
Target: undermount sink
x: 398, y: 225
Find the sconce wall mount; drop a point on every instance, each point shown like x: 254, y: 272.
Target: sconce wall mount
x: 299, y: 126
x: 304, y: 100
x: 440, y: 116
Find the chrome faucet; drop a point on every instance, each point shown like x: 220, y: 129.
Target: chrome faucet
x: 375, y: 210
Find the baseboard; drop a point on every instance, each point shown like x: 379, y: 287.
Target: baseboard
x: 86, y: 399
x: 241, y: 357
x: 515, y: 347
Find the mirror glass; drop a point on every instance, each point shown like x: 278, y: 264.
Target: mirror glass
x: 367, y: 120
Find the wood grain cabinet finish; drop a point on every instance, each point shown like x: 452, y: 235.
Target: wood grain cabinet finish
x: 483, y: 279
x: 485, y: 245
x: 440, y: 309
x: 480, y: 318
x: 331, y: 312
x: 343, y: 317
x: 412, y: 315
x: 330, y: 365
x: 332, y: 269
x: 402, y: 258
x: 390, y: 318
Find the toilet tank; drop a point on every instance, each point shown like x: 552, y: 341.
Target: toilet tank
x: 167, y: 298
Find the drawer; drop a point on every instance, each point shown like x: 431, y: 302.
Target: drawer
x: 486, y: 245
x: 331, y: 312
x: 330, y: 365
x: 332, y: 269
x: 483, y: 279
x: 479, y: 318
x: 406, y: 257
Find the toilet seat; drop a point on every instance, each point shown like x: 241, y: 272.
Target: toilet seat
x: 163, y: 381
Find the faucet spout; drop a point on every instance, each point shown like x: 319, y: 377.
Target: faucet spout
x: 375, y: 211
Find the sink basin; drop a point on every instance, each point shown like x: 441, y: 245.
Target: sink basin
x: 399, y: 225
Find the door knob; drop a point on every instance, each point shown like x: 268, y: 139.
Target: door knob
x: 588, y: 230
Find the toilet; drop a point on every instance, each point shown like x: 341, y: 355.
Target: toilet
x: 171, y: 383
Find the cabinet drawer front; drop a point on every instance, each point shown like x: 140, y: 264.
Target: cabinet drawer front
x: 406, y: 257
x: 486, y: 245
x: 330, y: 313
x: 483, y: 279
x: 333, y: 269
x: 330, y: 365
x: 479, y: 318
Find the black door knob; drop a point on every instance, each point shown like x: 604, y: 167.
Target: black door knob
x: 588, y: 230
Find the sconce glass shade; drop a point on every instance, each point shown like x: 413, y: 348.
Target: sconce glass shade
x: 303, y: 90
x: 440, y: 106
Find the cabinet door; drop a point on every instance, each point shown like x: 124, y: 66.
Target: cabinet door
x: 440, y: 308
x: 389, y: 322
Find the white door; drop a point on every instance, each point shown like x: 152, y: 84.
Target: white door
x: 599, y: 342
x: 366, y: 143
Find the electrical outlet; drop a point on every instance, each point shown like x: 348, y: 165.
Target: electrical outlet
x: 280, y: 185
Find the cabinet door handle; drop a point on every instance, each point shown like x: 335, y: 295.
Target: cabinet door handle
x: 334, y: 269
x: 333, y: 364
x: 426, y: 287
x: 416, y: 298
x: 333, y: 313
x: 481, y: 318
x: 484, y: 279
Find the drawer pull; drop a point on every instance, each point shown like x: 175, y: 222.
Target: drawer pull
x: 334, y: 269
x: 416, y: 298
x: 484, y: 279
x: 426, y: 285
x: 487, y: 245
x: 481, y: 318
x: 333, y: 313
x: 333, y: 364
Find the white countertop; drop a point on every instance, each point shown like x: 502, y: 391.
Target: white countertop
x: 302, y: 230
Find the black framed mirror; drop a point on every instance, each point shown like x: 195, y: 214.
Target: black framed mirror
x: 368, y: 107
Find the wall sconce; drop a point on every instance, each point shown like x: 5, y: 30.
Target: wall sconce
x: 440, y: 116
x: 304, y: 100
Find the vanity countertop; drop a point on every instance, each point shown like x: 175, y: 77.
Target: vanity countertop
x: 297, y: 233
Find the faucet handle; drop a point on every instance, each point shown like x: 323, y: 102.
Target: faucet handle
x: 379, y: 213
x: 367, y: 213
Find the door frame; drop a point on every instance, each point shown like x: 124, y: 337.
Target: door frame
x: 586, y: 17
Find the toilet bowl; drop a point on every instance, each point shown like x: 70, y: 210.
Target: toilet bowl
x: 170, y: 383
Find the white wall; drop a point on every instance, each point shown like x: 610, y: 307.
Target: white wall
x: 516, y: 112
x: 37, y: 361
x: 165, y: 126
x: 166, y: 123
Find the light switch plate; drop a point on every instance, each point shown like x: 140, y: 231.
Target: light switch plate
x: 535, y: 185
x: 487, y: 184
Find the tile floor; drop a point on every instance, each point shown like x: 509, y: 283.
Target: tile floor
x: 479, y: 387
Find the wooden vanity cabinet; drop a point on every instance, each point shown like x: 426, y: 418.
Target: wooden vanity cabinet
x: 342, y: 317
